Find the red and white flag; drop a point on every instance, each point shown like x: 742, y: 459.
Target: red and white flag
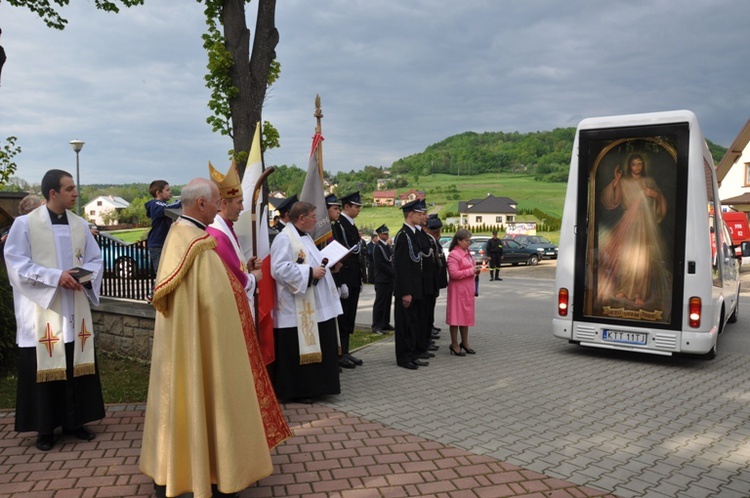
x: 246, y: 234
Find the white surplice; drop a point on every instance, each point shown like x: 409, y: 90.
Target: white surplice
x: 36, y: 284
x: 292, y: 278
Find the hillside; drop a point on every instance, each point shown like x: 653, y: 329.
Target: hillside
x: 544, y: 155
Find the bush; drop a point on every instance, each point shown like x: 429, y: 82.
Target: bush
x: 8, y: 351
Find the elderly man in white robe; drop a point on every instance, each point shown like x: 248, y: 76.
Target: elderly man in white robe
x: 55, y: 268
x: 307, y: 304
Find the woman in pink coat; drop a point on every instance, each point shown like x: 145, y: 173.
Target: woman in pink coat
x: 459, y: 313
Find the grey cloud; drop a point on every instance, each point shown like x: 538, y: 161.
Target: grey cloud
x: 394, y: 77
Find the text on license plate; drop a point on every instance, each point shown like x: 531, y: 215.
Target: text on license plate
x: 624, y: 337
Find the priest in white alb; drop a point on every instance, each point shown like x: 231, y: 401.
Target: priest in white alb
x: 307, y: 304
x: 46, y: 253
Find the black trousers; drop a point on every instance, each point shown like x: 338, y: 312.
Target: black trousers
x: 347, y: 318
x: 495, y: 258
x: 381, y: 310
x: 409, y: 325
x: 425, y: 334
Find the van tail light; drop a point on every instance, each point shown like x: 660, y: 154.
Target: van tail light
x: 694, y: 312
x: 562, y: 302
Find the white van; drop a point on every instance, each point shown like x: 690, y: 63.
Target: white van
x: 645, y: 261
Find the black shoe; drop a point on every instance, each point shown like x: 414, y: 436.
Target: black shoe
x: 304, y: 401
x: 421, y: 363
x: 491, y: 279
x: 425, y: 356
x: 345, y: 362
x: 215, y: 493
x: 377, y: 331
x: 81, y: 433
x: 389, y: 327
x: 45, y: 442
x: 432, y: 347
x: 409, y: 365
x: 454, y: 352
x: 468, y: 350
x: 498, y: 279
x: 436, y: 329
x: 160, y: 491
x: 354, y: 359
x: 435, y: 336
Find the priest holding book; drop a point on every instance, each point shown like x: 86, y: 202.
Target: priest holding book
x: 46, y: 253
x: 307, y: 304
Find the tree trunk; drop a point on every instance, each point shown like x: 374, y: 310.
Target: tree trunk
x: 249, y: 75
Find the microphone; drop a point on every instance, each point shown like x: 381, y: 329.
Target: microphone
x: 322, y: 265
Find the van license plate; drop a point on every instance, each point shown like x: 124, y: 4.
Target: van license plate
x: 624, y: 337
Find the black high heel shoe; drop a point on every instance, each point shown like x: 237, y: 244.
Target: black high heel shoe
x: 468, y: 350
x: 454, y: 352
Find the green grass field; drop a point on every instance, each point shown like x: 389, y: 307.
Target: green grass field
x: 528, y: 193
x: 131, y: 235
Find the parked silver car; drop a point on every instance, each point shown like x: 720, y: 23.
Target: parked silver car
x: 543, y: 247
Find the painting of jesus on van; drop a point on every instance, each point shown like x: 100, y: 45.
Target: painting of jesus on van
x: 633, y: 231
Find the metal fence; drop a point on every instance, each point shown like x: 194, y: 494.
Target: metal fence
x: 127, y: 268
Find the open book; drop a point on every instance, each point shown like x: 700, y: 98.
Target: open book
x: 82, y: 275
x: 335, y: 252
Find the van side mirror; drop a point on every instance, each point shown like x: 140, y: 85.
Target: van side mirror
x: 746, y: 249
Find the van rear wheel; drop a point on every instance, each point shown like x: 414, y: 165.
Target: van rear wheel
x: 736, y: 313
x: 712, y: 354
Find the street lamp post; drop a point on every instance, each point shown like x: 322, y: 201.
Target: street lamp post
x: 77, y: 146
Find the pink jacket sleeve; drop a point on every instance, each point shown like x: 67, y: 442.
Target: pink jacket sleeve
x: 458, y: 265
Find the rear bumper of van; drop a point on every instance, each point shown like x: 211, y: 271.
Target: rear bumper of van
x: 655, y: 341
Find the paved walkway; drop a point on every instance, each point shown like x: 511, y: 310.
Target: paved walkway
x: 331, y: 454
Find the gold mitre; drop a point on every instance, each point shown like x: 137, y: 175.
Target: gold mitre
x: 229, y: 184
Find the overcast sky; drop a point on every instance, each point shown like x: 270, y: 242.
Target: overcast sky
x: 394, y: 77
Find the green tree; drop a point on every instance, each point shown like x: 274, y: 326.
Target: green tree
x: 287, y: 179
x: 237, y: 80
x: 135, y: 213
x: 7, y: 166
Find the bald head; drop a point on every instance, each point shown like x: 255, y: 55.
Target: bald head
x: 200, y: 200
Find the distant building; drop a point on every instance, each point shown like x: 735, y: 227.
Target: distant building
x: 489, y: 210
x: 384, y: 197
x: 733, y: 172
x: 96, y: 209
x: 411, y: 195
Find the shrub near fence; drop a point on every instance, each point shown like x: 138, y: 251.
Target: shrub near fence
x: 8, y: 351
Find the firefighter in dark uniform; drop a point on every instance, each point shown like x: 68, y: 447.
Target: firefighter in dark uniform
x: 429, y: 283
x: 350, y: 275
x: 433, y: 228
x: 408, y: 288
x: 382, y: 257
x: 334, y: 212
x: 283, y: 210
x: 494, y: 248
